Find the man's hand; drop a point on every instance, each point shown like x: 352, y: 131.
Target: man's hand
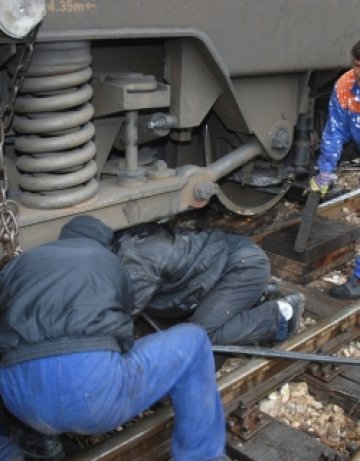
x: 321, y: 182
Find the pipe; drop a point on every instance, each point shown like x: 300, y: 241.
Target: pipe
x: 131, y: 147
x: 235, y: 159
x: 302, y: 144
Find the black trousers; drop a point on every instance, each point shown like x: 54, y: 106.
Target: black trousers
x: 229, y: 312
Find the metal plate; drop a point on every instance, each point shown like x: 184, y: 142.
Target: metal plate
x: 278, y: 442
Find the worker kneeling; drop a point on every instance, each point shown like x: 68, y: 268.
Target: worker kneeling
x: 212, y: 278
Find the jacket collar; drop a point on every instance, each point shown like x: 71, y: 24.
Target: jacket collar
x: 355, y: 90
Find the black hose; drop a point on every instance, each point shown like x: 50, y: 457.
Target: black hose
x: 282, y: 354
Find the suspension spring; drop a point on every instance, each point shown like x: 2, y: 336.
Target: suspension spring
x: 53, y: 127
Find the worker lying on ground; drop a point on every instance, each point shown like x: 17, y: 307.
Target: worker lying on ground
x: 210, y: 278
x: 69, y: 359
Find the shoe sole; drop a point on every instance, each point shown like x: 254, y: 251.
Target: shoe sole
x: 294, y: 322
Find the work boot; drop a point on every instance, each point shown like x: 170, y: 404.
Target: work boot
x: 348, y: 290
x: 287, y: 328
x: 36, y: 445
x: 297, y: 301
x: 272, y: 289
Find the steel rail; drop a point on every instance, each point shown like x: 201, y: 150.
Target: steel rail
x: 152, y: 434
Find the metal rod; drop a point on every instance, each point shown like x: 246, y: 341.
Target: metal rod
x: 150, y: 322
x: 235, y: 159
x: 281, y: 354
x: 131, y: 146
x: 306, y: 223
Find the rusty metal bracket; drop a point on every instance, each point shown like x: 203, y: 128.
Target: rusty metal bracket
x: 324, y: 372
x: 245, y: 422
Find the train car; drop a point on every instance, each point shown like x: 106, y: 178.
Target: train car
x: 133, y: 111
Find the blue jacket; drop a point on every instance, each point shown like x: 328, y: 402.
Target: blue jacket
x: 343, y: 123
x: 66, y: 296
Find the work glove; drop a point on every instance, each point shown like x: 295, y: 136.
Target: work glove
x: 321, y: 182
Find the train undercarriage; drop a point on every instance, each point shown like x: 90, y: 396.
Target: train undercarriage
x: 135, y: 124
x: 135, y: 112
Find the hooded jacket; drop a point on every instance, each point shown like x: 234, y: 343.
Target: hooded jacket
x: 172, y: 270
x: 66, y: 296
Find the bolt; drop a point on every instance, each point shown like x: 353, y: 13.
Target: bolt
x: 160, y: 165
x: 314, y: 368
x: 281, y: 140
x: 204, y: 191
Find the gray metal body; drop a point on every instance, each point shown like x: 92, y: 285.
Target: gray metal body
x: 250, y: 37
x: 180, y: 101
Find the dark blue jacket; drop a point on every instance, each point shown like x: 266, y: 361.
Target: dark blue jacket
x: 172, y: 270
x: 67, y: 296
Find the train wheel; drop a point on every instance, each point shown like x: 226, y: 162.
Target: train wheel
x: 232, y: 195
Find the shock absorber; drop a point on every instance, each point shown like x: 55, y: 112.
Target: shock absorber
x: 53, y: 127
x: 303, y: 131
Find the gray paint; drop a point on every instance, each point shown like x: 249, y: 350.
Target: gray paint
x: 251, y: 36
x: 247, y: 61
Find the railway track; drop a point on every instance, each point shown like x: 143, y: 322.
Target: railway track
x: 253, y: 435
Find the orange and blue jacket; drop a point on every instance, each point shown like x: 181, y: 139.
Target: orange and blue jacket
x: 343, y: 123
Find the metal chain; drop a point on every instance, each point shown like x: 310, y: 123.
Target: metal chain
x: 9, y: 229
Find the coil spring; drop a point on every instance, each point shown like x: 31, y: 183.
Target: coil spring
x: 53, y: 128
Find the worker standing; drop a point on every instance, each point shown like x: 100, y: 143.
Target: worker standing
x: 343, y: 125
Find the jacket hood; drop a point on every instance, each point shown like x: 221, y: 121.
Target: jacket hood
x: 88, y: 227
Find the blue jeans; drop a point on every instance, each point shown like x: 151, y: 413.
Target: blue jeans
x: 95, y: 392
x: 356, y: 270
